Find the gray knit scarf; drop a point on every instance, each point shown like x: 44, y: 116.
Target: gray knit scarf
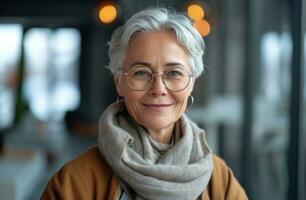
x: 148, y: 169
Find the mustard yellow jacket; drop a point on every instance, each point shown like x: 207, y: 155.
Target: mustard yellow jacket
x: 89, y: 177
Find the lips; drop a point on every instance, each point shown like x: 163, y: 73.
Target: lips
x: 157, y: 106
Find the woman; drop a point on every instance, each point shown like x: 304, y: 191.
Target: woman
x: 148, y: 148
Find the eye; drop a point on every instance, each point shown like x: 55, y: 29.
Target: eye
x: 142, y: 74
x: 174, y: 73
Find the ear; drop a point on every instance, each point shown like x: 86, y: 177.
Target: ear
x: 192, y: 82
x: 118, y: 84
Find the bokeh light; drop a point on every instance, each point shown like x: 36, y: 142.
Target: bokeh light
x: 195, y: 12
x: 202, y: 26
x: 108, y: 13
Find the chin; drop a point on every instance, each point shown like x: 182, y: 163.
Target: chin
x: 156, y: 123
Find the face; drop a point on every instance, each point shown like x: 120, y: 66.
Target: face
x: 156, y: 108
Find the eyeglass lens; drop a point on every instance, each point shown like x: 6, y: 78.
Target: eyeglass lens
x: 175, y: 79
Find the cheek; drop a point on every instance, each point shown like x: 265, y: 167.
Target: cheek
x: 182, y: 100
x: 132, y: 107
x: 182, y: 97
x: 132, y: 101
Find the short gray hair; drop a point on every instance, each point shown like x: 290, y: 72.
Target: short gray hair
x: 154, y: 19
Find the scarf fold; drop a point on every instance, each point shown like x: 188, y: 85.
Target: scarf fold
x: 152, y: 170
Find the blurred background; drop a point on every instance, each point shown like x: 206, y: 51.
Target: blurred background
x: 251, y: 99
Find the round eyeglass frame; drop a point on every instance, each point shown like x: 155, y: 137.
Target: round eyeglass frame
x: 153, y: 79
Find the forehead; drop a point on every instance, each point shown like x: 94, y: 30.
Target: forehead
x: 155, y: 46
x: 164, y: 39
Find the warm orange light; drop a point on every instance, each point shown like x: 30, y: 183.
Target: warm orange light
x: 195, y: 12
x: 202, y: 26
x: 108, y: 13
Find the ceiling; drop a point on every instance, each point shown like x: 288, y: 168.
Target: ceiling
x: 69, y: 12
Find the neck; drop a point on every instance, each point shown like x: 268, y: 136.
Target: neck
x: 163, y: 135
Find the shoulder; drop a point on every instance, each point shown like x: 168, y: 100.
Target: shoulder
x: 81, y: 176
x: 221, y: 170
x: 88, y: 161
x: 223, y: 184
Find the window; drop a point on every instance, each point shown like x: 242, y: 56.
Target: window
x: 10, y: 46
x: 51, y: 80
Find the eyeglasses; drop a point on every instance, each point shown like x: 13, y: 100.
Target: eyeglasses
x: 141, y: 78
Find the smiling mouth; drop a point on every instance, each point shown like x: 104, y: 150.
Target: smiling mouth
x: 157, y: 106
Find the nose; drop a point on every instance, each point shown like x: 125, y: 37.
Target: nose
x: 158, y: 88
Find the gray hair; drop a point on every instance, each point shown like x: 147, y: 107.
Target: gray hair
x: 154, y: 19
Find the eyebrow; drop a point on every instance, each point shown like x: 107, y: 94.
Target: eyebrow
x: 139, y: 63
x: 170, y: 64
x: 174, y: 64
